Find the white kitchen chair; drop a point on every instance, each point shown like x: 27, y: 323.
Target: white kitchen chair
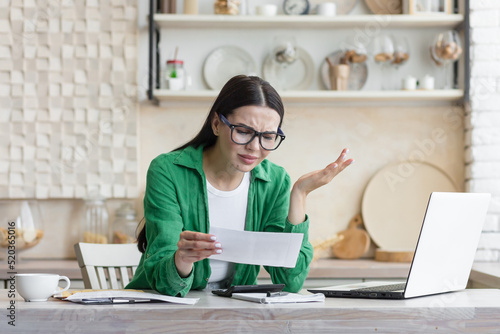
x: 107, y: 263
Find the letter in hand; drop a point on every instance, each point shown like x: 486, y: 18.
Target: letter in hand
x: 193, y: 247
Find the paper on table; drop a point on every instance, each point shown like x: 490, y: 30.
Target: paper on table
x: 261, y: 248
x: 289, y: 298
x: 124, y: 295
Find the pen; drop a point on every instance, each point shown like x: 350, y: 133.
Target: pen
x: 276, y: 294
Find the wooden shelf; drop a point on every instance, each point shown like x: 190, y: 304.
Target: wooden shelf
x: 450, y: 95
x: 306, y: 21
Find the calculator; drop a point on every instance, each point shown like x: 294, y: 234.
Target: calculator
x: 263, y: 288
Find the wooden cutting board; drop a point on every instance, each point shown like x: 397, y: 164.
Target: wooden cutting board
x: 385, y: 255
x: 354, y: 242
x: 385, y: 7
x: 395, y: 200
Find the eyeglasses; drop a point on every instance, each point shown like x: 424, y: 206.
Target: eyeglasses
x: 242, y: 135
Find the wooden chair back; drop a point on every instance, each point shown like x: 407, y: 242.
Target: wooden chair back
x: 107, y: 266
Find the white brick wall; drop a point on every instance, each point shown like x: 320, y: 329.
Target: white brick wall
x: 67, y: 83
x: 482, y: 137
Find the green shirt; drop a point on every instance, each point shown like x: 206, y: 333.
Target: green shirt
x: 176, y: 200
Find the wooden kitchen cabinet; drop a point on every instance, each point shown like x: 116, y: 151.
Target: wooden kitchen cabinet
x: 191, y: 24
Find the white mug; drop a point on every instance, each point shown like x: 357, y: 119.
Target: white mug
x: 327, y: 9
x: 267, y: 10
x: 175, y: 83
x: 427, y: 82
x: 410, y: 83
x: 39, y: 287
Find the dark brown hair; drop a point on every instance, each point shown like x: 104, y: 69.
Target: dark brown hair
x: 239, y: 91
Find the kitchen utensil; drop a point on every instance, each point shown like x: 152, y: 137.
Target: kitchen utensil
x: 168, y: 6
x: 267, y: 10
x: 427, y: 82
x: 327, y: 9
x: 39, y: 287
x: 225, y: 62
x: 296, y: 76
x: 339, y: 76
x: 410, y: 83
x: 355, y: 241
x: 385, y: 7
x: 358, y: 72
x: 191, y: 7
x: 395, y: 199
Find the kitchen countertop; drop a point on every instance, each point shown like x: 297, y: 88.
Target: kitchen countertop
x: 468, y: 311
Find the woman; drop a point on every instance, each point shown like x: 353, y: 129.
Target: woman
x: 221, y: 178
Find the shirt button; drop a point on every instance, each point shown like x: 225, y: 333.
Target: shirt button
x: 147, y: 256
x: 206, y: 279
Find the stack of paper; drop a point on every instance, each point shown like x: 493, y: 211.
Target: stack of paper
x: 288, y: 298
x: 125, y: 296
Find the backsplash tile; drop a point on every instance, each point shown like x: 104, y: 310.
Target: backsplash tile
x: 68, y: 99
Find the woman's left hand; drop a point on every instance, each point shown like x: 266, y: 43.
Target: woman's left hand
x: 311, y: 181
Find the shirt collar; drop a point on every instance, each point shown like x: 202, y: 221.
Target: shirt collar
x: 192, y: 157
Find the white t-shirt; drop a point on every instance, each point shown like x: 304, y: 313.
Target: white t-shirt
x: 227, y: 209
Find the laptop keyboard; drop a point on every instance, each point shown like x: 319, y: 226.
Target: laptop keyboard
x: 383, y: 288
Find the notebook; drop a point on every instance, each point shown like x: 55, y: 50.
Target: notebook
x: 444, y: 253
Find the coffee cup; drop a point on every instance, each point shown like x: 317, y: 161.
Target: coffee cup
x: 427, y: 82
x: 39, y: 287
x: 409, y: 83
x: 327, y: 9
x: 267, y: 10
x: 175, y: 83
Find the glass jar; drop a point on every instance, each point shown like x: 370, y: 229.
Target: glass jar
x: 95, y: 226
x: 174, y: 75
x: 124, y: 225
x: 226, y: 7
x: 22, y: 226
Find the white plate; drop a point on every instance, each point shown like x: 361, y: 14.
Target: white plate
x: 395, y: 200
x: 358, y: 73
x: 343, y: 6
x: 224, y: 63
x: 296, y: 76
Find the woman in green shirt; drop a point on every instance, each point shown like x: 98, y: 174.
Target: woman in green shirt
x: 242, y: 128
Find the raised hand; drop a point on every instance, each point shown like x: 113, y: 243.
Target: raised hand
x: 311, y: 181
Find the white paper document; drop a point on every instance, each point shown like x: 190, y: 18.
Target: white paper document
x: 289, y: 298
x: 124, y: 296
x: 261, y: 248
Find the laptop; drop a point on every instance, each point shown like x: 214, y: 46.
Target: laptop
x: 443, y: 256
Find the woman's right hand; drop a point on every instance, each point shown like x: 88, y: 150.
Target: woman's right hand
x: 193, y: 247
